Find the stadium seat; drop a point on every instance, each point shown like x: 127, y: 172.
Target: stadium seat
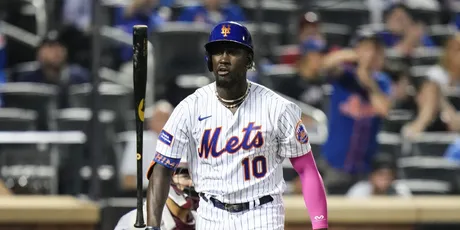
x: 453, y: 96
x: 20, y: 163
x: 114, y: 98
x: 29, y: 179
x: 284, y: 14
x: 286, y: 54
x: 113, y: 208
x: 393, y: 56
x: 17, y: 16
x: 352, y: 13
x: 389, y: 143
x: 34, y: 96
x: 108, y: 177
x: 431, y: 143
x: 178, y: 49
x: 336, y: 34
x: 189, y: 83
x: 396, y: 119
x: 427, y: 187
x: 77, y: 119
x: 23, y: 68
x: 278, y: 74
x: 12, y: 119
x: 426, y: 56
x: 418, y: 74
x: 374, y: 27
x: 430, y: 168
x: 428, y: 17
x: 24, y: 154
x: 271, y: 38
x: 440, y: 33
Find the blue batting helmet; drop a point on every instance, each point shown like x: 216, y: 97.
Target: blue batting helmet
x: 229, y: 31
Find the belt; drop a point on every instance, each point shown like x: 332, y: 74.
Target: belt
x: 235, y: 207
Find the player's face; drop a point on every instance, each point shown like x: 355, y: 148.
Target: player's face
x: 382, y: 179
x: 229, y: 64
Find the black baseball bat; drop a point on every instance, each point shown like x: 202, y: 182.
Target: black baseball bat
x: 139, y: 83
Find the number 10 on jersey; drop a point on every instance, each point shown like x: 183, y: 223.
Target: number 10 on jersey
x: 256, y: 167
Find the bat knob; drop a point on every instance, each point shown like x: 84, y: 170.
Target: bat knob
x: 139, y: 225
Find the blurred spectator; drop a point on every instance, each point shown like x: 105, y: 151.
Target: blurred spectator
x: 140, y: 12
x: 400, y: 86
x: 402, y: 32
x: 77, y: 13
x: 157, y: 117
x: 307, y: 86
x: 308, y: 31
x: 359, y: 99
x: 309, y: 27
x: 212, y: 12
x: 453, y: 152
x: 54, y: 69
x: 377, y: 7
x: 381, y: 181
x: 435, y: 113
x: 3, y: 189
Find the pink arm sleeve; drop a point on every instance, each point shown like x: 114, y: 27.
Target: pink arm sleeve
x: 313, y: 189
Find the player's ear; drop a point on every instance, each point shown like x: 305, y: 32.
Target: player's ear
x: 250, y: 63
x: 208, y: 61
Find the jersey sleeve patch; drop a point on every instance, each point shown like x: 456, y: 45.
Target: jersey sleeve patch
x: 301, y: 133
x: 165, y: 137
x: 167, y: 162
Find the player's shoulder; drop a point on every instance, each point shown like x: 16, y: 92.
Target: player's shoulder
x: 271, y: 97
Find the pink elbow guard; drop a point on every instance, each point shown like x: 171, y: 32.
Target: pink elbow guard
x: 313, y: 190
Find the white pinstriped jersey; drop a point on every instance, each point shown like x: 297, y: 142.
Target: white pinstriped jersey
x: 235, y: 157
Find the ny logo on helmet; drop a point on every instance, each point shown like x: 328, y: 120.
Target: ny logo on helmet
x: 225, y: 30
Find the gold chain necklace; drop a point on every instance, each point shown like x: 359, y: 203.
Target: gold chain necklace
x: 235, y: 102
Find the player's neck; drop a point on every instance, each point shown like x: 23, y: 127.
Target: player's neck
x: 234, y: 92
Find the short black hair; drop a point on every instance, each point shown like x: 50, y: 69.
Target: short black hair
x: 395, y: 6
x: 383, y: 161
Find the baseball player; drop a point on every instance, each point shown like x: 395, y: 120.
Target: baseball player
x: 235, y: 134
x: 180, y: 209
